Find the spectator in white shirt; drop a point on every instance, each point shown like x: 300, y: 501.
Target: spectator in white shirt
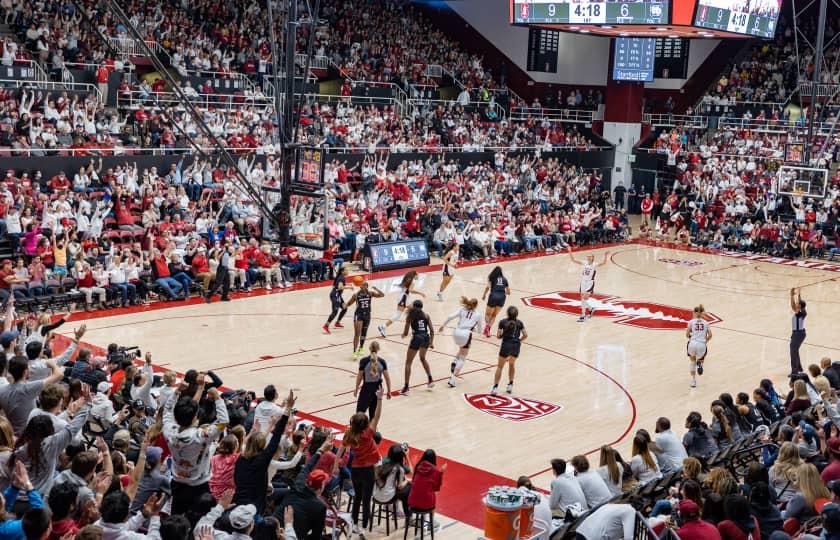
x: 669, y: 449
x: 566, y: 493
x: 609, y: 522
x: 266, y: 409
x: 611, y: 470
x: 643, y: 464
x: 593, y: 486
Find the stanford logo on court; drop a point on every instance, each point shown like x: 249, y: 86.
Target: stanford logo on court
x: 648, y: 315
x: 515, y: 409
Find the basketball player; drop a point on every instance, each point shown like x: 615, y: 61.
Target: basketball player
x: 422, y: 339
x: 497, y: 286
x: 512, y: 333
x: 405, y: 291
x: 361, y: 318
x: 587, y: 282
x: 797, y: 335
x: 699, y: 334
x: 450, y: 261
x: 372, y: 372
x: 462, y: 336
x: 338, y: 286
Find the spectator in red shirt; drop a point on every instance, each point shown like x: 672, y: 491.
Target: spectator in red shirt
x: 426, y: 482
x: 201, y: 267
x: 694, y: 528
x: 359, y: 438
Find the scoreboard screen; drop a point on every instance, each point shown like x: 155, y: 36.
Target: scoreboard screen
x: 391, y: 255
x: 633, y: 59
x: 748, y: 17
x: 590, y: 12
x: 309, y: 170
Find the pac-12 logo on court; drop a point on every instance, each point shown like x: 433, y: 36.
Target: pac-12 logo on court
x: 681, y: 262
x: 515, y: 409
x: 648, y: 315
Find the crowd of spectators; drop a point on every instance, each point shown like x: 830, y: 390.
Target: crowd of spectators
x: 791, y: 489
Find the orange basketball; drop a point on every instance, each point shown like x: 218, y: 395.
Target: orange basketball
x: 357, y: 280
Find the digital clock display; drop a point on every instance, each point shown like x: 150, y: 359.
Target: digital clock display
x: 585, y: 12
x: 749, y: 17
x: 398, y: 254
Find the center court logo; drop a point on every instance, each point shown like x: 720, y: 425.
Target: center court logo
x: 647, y: 315
x: 515, y: 409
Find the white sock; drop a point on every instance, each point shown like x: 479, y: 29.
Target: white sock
x: 459, y: 363
x: 584, y: 305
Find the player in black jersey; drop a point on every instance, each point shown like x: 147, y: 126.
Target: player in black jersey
x: 512, y: 333
x: 422, y: 339
x: 497, y: 286
x: 338, y: 286
x: 363, y: 299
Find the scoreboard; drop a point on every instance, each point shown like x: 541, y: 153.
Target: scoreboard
x: 633, y: 59
x: 589, y: 12
x: 749, y: 17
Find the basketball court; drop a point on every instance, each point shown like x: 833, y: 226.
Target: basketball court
x: 578, y: 385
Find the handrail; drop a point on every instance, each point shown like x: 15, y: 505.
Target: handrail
x: 269, y: 148
x: 579, y: 116
x: 127, y: 46
x: 419, y: 102
x: 156, y: 99
x: 127, y: 66
x: 823, y: 89
x: 673, y: 120
x: 52, y: 85
x: 773, y: 126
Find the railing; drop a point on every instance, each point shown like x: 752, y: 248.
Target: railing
x: 578, y: 116
x: 708, y: 106
x: 127, y: 66
x: 356, y: 100
x: 433, y: 71
x: 136, y: 98
x: 52, y: 85
x: 419, y: 91
x: 806, y: 89
x: 673, y: 120
x: 473, y: 106
x: 315, y: 62
x: 126, y: 46
x: 470, y: 148
x: 775, y: 126
x: 40, y: 75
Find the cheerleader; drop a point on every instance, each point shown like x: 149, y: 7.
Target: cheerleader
x: 338, y: 286
x: 497, y: 287
x: 450, y: 261
x: 512, y: 333
x: 363, y: 298
x: 422, y: 339
x: 405, y: 290
x: 462, y: 335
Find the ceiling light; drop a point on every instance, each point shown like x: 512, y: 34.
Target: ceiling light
x: 661, y: 29
x: 584, y: 31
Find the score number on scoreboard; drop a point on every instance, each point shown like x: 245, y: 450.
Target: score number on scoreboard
x: 584, y: 12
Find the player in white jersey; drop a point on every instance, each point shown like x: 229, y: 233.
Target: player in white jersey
x: 587, y: 282
x: 698, y: 334
x: 450, y: 261
x: 468, y: 319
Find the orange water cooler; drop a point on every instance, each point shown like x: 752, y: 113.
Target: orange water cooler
x: 503, y: 507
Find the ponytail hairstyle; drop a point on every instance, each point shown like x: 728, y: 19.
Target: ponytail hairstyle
x: 717, y: 412
x: 374, y: 358
x: 495, y: 273
x: 36, y: 430
x: 469, y: 303
x: 408, y: 279
x: 699, y: 311
x: 510, y: 324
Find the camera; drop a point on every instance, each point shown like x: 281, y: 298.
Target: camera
x: 123, y: 355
